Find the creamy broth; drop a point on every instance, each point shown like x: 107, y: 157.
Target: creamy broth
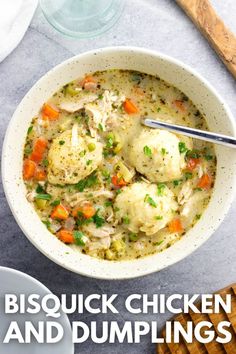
x: 108, y: 186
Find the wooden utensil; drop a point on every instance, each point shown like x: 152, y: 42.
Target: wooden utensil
x: 209, y: 348
x: 213, y: 28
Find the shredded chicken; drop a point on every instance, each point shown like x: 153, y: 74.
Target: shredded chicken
x: 74, y: 106
x: 185, y: 193
x: 77, y: 198
x: 30, y: 196
x: 103, y: 111
x: 103, y: 243
x: 100, y: 232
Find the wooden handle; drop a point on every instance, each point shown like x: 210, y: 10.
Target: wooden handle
x: 213, y: 28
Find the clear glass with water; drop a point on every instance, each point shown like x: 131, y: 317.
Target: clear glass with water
x: 82, y: 18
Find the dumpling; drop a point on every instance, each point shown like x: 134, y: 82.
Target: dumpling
x: 145, y: 207
x: 155, y: 154
x: 71, y: 157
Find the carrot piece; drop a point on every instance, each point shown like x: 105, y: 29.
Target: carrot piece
x: 66, y: 236
x: 179, y: 105
x: 39, y: 148
x: 205, y: 181
x: 60, y: 212
x: 129, y: 107
x: 192, y: 163
x: 175, y: 226
x: 89, y: 83
x: 118, y: 182
x: 88, y: 78
x: 87, y: 209
x: 29, y: 168
x: 49, y: 112
x: 40, y: 174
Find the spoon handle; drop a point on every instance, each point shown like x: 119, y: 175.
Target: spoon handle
x: 213, y: 28
x: 193, y: 133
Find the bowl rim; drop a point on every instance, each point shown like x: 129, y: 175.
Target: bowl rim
x: 138, y: 272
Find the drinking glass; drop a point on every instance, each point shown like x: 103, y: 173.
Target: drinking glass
x: 82, y: 18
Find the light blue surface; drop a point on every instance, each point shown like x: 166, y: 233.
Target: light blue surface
x: 155, y: 24
x: 17, y: 283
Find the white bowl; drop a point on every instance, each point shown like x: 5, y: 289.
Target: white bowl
x: 219, y: 119
x: 14, y: 282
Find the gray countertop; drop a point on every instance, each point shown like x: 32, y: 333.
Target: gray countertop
x: 155, y: 24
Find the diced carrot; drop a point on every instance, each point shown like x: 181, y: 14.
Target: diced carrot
x: 179, y: 105
x: 49, y: 112
x: 192, y: 163
x: 118, y: 182
x: 129, y: 107
x: 205, y: 181
x: 39, y: 148
x: 29, y: 169
x: 40, y: 174
x: 175, y: 226
x: 66, y: 236
x: 60, y: 212
x: 89, y: 83
x: 87, y: 209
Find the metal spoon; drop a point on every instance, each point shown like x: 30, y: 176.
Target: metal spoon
x: 193, y: 133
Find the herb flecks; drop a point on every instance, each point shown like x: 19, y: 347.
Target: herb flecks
x: 147, y: 151
x: 150, y: 201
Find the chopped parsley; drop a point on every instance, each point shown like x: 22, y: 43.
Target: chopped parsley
x: 110, y: 142
x: 27, y: 150
x: 62, y: 142
x: 47, y: 223
x: 182, y: 147
x: 79, y: 238
x: 158, y: 217
x: 193, y: 154
x: 29, y: 130
x: 98, y: 220
x: 163, y: 151
x: 81, y: 220
x: 88, y: 182
x: 158, y: 109
x: 208, y: 157
x: 126, y: 220
x: 100, y: 127
x: 100, y: 96
x: 56, y: 202
x: 198, y: 216
x: 158, y: 243
x: 188, y: 175
x: 177, y: 182
x: 133, y: 237
x: 88, y: 162
x: 150, y: 201
x: 82, y: 153
x: 108, y: 203
x: 39, y: 189
x: 147, y: 151
x: 106, y: 174
x: 45, y: 162
x: 160, y: 189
